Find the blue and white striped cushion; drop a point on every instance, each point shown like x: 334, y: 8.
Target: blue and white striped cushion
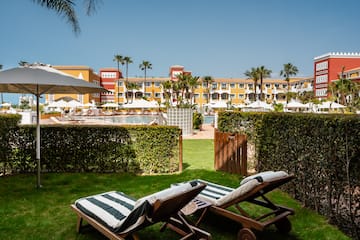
x: 115, y: 210
x: 219, y: 195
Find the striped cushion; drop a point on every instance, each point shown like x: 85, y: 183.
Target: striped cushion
x: 265, y: 176
x: 219, y: 195
x: 115, y: 210
x: 165, y: 194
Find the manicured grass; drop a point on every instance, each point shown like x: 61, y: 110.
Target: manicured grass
x: 30, y: 213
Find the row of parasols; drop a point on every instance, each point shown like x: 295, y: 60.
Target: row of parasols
x: 140, y: 103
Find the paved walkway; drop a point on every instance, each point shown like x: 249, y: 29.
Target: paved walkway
x: 207, y: 132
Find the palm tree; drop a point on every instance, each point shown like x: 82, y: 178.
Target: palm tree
x: 254, y: 75
x: 288, y: 71
x: 166, y: 86
x: 182, y: 86
x: 119, y: 60
x: 126, y: 61
x: 131, y: 86
x: 263, y: 73
x: 208, y: 80
x: 23, y: 63
x: 66, y: 9
x: 144, y: 66
x: 344, y: 87
x: 192, y: 82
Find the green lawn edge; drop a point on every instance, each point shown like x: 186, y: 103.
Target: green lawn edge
x: 30, y: 213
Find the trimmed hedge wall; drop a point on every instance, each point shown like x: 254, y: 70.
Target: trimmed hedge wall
x: 8, y: 125
x: 323, y: 152
x: 83, y: 148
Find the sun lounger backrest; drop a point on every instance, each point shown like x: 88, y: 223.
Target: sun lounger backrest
x: 171, y: 199
x: 163, y: 209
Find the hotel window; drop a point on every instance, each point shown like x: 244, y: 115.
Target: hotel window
x: 250, y: 86
x: 148, y: 84
x: 157, y: 95
x: 205, y: 96
x: 147, y: 94
x: 223, y: 86
x: 241, y: 96
x: 284, y: 85
x: 120, y: 94
x: 232, y: 85
x: 276, y: 85
x: 157, y: 84
x: 267, y: 85
x: 214, y: 86
x: 196, y: 96
x: 108, y: 74
x: 204, y: 85
x: 241, y: 85
x: 120, y: 83
x: 232, y: 96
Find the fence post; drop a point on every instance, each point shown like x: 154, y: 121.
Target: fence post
x: 180, y: 152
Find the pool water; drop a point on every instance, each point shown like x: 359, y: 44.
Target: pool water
x: 209, y: 119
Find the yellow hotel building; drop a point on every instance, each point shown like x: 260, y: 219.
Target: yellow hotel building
x: 81, y: 72
x: 236, y: 90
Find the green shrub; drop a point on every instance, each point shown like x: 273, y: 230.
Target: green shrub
x: 198, y: 120
x: 321, y: 150
x: 84, y: 148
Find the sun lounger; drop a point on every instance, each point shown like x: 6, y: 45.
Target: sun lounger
x: 117, y: 215
x: 252, y: 189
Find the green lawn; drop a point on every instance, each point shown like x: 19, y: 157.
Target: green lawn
x: 30, y: 213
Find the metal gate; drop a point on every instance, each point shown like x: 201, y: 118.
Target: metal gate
x: 230, y: 152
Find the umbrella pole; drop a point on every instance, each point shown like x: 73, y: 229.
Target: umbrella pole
x: 38, y: 138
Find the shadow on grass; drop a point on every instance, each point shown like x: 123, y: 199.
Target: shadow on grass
x: 217, y: 224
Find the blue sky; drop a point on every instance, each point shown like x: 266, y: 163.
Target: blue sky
x: 209, y: 37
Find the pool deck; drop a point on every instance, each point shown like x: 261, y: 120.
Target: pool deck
x: 206, y: 132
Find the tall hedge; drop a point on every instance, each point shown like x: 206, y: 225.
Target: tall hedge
x: 83, y: 148
x: 8, y: 126
x: 322, y: 150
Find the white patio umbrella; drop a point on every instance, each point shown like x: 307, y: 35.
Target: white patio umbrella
x: 259, y: 105
x: 141, y: 103
x: 110, y: 105
x: 38, y: 80
x: 74, y: 104
x: 58, y: 104
x: 330, y: 105
x: 294, y: 104
x: 5, y: 104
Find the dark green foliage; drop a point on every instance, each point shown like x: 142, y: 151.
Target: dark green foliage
x: 198, y: 120
x: 83, y: 148
x: 321, y: 150
x: 8, y: 126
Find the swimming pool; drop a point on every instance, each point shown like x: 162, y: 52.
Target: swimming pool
x: 208, y: 119
x: 122, y: 119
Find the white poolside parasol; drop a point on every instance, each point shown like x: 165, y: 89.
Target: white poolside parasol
x: 38, y: 80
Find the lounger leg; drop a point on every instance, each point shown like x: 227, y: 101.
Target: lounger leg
x: 78, y: 224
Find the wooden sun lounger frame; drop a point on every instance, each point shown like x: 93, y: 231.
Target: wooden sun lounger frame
x: 167, y: 211
x: 277, y: 216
